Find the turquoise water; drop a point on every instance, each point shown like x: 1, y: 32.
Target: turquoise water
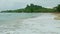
x: 29, y: 23
x: 6, y: 17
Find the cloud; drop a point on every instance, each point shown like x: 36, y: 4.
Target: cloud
x: 14, y: 4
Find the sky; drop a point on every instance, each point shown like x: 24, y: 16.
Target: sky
x: 16, y: 4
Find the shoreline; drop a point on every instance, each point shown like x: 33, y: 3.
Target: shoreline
x: 57, y: 16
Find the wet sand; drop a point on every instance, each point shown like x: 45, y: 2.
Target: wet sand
x: 57, y: 16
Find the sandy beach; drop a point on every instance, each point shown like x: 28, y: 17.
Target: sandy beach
x: 57, y: 16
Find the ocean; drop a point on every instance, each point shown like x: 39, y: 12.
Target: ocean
x: 29, y: 23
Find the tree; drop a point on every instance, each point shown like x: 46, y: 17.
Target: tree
x: 27, y: 6
x: 31, y: 5
x: 58, y: 8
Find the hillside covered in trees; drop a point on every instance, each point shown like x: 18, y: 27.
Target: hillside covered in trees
x: 34, y: 9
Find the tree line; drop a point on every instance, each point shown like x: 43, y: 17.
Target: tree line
x: 34, y: 9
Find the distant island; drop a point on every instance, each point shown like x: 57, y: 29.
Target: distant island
x: 34, y: 9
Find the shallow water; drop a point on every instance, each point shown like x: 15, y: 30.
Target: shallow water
x: 29, y: 23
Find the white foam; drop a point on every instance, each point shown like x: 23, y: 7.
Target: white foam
x: 44, y: 24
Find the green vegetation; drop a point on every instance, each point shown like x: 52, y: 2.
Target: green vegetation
x: 34, y: 9
x: 58, y: 8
